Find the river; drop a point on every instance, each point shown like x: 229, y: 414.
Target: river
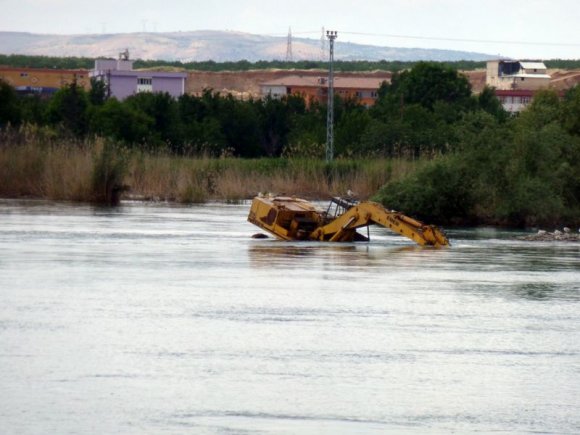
x: 167, y: 319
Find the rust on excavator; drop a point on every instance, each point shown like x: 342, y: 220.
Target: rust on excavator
x: 290, y: 218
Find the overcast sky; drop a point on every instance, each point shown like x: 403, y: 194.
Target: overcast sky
x: 516, y: 28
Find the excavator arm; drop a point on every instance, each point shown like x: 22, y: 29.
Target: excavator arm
x: 343, y: 228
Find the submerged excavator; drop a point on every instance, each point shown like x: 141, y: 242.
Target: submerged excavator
x: 290, y: 218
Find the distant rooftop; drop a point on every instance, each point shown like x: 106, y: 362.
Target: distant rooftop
x: 532, y: 65
x: 317, y: 82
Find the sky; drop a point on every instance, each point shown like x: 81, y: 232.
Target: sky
x: 521, y: 29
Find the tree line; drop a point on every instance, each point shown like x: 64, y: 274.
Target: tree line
x: 72, y: 62
x: 413, y: 117
x: 35, y: 61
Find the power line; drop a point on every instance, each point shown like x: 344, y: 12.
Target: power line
x: 442, y: 38
x: 479, y: 41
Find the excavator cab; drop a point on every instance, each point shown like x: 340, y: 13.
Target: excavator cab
x: 287, y: 218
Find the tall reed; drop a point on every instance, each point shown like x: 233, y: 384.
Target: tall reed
x: 35, y: 164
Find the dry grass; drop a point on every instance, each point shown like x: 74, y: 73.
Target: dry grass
x: 59, y: 173
x: 33, y: 166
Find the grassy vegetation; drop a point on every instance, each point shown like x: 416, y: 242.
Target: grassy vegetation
x: 35, y: 164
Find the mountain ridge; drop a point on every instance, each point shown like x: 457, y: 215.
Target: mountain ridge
x: 216, y: 45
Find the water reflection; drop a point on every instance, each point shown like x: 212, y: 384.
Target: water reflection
x: 274, y: 253
x: 535, y: 291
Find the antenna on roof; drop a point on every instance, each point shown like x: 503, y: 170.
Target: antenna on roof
x: 289, y: 46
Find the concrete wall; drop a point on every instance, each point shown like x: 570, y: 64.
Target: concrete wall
x: 491, y: 74
x: 532, y: 83
x: 175, y: 86
x: 123, y: 86
x: 113, y: 65
x: 44, y: 77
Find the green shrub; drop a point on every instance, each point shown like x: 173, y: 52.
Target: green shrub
x: 109, y: 171
x: 440, y: 192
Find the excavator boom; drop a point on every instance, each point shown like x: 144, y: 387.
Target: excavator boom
x: 368, y: 213
x: 291, y: 218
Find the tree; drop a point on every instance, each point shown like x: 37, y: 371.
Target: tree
x: 240, y: 125
x: 349, y: 130
x: 98, y: 92
x: 9, y: 107
x: 426, y: 83
x: 440, y: 192
x: 121, y: 122
x: 488, y: 101
x: 570, y: 114
x: 68, y: 107
x: 275, y: 125
x: 162, y: 108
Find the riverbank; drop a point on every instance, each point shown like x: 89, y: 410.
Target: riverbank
x: 93, y: 171
x: 557, y: 236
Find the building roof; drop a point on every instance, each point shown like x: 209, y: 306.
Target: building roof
x: 527, y: 76
x: 371, y: 83
x: 139, y: 73
x: 44, y: 70
x: 533, y: 65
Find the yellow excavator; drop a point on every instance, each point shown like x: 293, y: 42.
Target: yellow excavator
x: 291, y: 218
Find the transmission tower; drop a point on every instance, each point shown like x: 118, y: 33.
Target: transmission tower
x: 289, y: 46
x: 331, y: 35
x: 322, y: 44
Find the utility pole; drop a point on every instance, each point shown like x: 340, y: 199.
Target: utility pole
x: 331, y: 35
x: 289, y: 46
x: 322, y: 45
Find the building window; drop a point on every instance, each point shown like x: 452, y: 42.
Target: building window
x: 144, y: 84
x: 23, y: 74
x: 374, y: 94
x: 525, y: 100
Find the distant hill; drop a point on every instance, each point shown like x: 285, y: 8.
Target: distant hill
x: 220, y: 46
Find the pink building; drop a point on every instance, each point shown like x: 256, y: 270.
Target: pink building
x: 123, y: 81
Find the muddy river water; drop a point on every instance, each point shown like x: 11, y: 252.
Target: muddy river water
x: 164, y: 319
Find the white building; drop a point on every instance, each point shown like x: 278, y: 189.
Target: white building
x: 515, y: 74
x: 515, y: 81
